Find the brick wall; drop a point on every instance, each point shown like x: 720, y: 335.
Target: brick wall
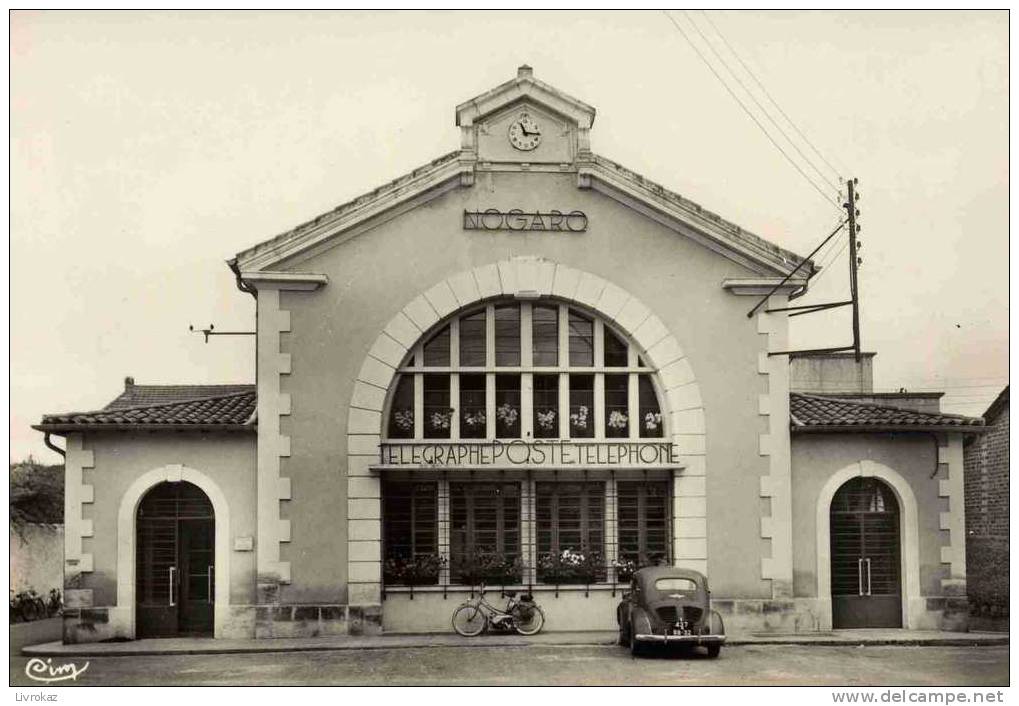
x: 986, y: 480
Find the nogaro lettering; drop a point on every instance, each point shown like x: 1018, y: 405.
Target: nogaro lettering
x: 518, y: 220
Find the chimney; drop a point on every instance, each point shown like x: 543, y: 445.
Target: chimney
x: 831, y: 373
x: 128, y: 383
x: 525, y: 71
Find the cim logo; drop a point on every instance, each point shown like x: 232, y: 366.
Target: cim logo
x: 38, y: 670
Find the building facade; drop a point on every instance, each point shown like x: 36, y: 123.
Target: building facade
x: 522, y: 365
x: 987, y: 479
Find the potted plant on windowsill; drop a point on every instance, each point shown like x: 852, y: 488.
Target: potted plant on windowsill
x: 570, y: 567
x: 506, y: 416
x: 579, y: 421
x: 489, y: 567
x: 420, y: 570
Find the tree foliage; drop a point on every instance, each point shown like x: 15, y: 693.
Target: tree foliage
x: 37, y: 493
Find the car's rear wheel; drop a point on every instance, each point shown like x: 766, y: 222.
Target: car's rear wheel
x: 714, y: 651
x: 622, y: 640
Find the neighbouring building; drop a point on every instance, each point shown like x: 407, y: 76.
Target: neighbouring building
x: 526, y: 365
x: 987, y: 477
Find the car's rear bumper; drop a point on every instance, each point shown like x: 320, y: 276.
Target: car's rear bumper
x: 688, y: 639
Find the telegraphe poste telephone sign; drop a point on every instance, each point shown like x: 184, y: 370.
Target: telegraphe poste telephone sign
x: 650, y: 453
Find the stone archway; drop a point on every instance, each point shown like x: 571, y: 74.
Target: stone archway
x: 912, y: 602
x: 522, y: 277
x: 126, y: 543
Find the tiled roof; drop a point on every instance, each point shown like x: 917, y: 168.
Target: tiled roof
x: 821, y: 413
x: 138, y: 395
x: 234, y: 410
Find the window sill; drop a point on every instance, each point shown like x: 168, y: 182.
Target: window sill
x: 498, y: 588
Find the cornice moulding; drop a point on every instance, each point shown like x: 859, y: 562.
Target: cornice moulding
x: 295, y: 281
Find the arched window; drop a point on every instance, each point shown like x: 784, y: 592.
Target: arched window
x: 524, y: 370
x: 511, y: 371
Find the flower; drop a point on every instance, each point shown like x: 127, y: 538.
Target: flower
x: 440, y: 419
x: 618, y: 420
x: 475, y: 419
x: 652, y: 420
x: 507, y: 414
x: 579, y: 418
x: 404, y: 419
x: 546, y: 419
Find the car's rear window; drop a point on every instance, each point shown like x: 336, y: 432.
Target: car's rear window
x: 675, y: 584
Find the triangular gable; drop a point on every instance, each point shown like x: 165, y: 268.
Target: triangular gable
x: 457, y: 170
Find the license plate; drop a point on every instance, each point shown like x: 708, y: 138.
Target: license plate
x: 679, y: 631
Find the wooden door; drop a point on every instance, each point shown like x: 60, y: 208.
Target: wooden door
x: 175, y: 573
x: 865, y: 555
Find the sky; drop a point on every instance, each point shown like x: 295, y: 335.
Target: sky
x: 147, y: 148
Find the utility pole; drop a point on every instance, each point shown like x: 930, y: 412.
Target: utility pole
x: 850, y: 207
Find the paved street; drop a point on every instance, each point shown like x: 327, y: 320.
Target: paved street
x: 555, y: 665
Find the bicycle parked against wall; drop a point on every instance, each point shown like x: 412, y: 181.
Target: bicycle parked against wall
x: 27, y: 606
x: 520, y: 614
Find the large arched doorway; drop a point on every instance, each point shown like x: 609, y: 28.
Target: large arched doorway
x: 175, y: 593
x: 865, y: 556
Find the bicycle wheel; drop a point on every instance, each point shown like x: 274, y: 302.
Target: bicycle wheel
x: 528, y: 618
x: 469, y: 620
x: 29, y: 611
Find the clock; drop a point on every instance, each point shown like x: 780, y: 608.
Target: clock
x: 524, y: 133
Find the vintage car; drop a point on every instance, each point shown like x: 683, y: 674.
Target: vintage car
x: 666, y: 605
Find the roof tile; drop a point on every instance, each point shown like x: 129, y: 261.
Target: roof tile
x: 820, y: 412
x: 191, y: 406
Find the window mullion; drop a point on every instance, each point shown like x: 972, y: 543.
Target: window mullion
x: 599, y: 379
x: 419, y: 406
x: 564, y: 378
x: 490, y: 405
x: 526, y: 379
x: 633, y: 404
x: 443, y: 529
x: 611, y: 525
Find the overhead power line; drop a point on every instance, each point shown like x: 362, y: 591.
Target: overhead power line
x: 834, y: 184
x: 769, y: 96
x: 750, y: 114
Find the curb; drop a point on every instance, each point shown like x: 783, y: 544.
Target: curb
x: 55, y: 649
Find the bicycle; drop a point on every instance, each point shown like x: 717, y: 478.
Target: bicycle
x: 523, y: 615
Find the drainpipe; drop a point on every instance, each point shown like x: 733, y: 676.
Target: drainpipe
x: 52, y: 446
x: 241, y: 284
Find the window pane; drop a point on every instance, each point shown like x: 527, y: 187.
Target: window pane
x: 410, y: 533
x: 581, y: 340
x: 401, y: 410
x: 650, y: 413
x: 472, y: 340
x: 484, y: 535
x: 615, y: 351
x: 643, y: 521
x: 507, y: 335
x: 546, y: 406
x: 581, y: 406
x: 545, y: 335
x: 437, y: 349
x: 507, y: 406
x: 617, y: 419
x: 437, y: 411
x: 473, y: 423
x: 570, y: 532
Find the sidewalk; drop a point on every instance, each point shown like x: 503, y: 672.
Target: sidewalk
x: 391, y: 642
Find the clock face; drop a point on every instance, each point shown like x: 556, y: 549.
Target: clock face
x: 524, y: 133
